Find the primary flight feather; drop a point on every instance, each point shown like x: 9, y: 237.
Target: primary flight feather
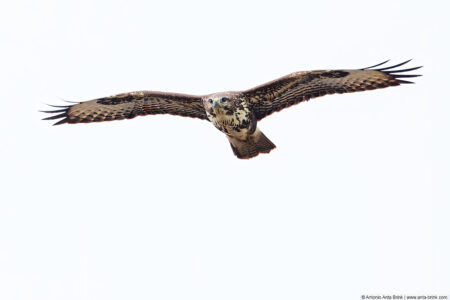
x: 236, y: 113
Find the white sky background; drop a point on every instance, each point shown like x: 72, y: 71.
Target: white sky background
x: 353, y: 201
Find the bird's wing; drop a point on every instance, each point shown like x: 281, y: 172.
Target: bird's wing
x: 128, y: 106
x: 301, y: 86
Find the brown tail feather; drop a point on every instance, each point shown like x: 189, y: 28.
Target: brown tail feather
x: 252, y: 146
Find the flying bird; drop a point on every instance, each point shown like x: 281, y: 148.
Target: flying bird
x: 236, y: 113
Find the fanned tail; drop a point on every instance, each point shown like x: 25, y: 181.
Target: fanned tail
x: 252, y: 146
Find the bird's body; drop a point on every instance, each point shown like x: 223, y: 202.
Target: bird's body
x: 231, y: 113
x: 235, y: 113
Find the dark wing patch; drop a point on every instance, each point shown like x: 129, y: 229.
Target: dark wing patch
x: 302, y: 86
x: 128, y: 106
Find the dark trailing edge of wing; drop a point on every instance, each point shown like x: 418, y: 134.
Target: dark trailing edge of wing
x: 63, y: 115
x: 393, y: 73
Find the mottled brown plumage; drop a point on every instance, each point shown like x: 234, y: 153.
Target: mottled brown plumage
x: 236, y: 113
x: 128, y: 106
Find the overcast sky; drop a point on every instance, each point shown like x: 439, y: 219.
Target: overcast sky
x: 354, y: 200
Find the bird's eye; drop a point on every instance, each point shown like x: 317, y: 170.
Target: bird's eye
x: 210, y: 101
x: 224, y: 99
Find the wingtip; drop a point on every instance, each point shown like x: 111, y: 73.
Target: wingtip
x: 377, y: 65
x: 394, y: 66
x: 397, y: 74
x: 61, y: 112
x: 405, y: 75
x: 405, y: 81
x: 404, y: 70
x: 53, y: 111
x: 63, y: 121
x: 62, y: 99
x: 64, y: 114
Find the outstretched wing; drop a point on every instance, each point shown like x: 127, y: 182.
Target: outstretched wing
x: 128, y: 106
x: 301, y: 86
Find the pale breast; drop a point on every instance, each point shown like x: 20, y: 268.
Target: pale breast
x: 238, y: 124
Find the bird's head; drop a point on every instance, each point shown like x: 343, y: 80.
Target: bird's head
x: 219, y: 103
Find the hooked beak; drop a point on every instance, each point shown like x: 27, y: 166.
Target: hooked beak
x: 216, y: 104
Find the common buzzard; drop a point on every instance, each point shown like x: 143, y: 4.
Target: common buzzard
x: 236, y: 113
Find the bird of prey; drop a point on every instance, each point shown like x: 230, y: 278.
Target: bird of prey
x: 236, y: 113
